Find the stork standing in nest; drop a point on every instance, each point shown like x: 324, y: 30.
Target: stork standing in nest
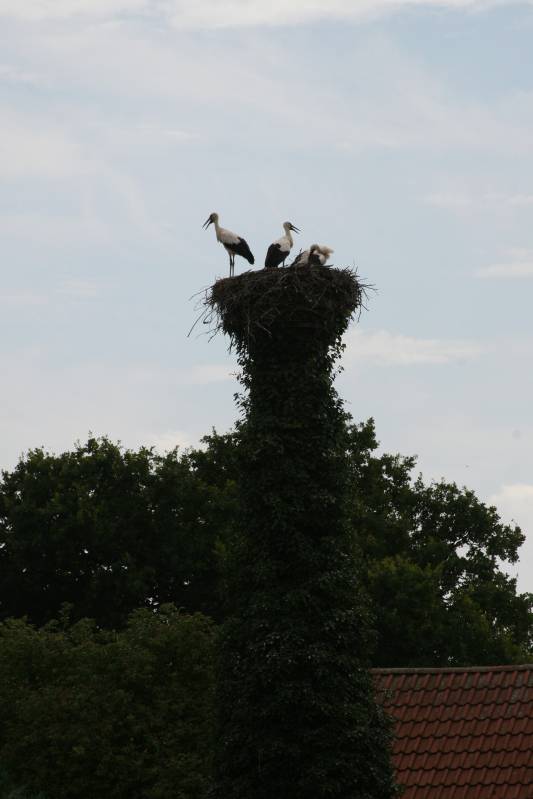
x: 316, y: 255
x: 280, y: 249
x: 233, y: 244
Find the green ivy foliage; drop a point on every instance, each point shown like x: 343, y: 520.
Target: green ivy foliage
x: 86, y: 713
x: 297, y: 713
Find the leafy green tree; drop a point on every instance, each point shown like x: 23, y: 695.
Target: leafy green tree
x: 86, y: 713
x: 109, y: 530
x: 433, y: 566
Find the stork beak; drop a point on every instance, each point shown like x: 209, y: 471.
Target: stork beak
x: 207, y: 222
x: 293, y: 227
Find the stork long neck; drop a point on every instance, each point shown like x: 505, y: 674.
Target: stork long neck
x: 288, y: 235
x: 217, y: 228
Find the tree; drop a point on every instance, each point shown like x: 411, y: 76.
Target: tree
x: 109, y: 530
x: 87, y: 713
x: 433, y: 566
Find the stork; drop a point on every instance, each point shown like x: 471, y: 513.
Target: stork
x: 233, y: 244
x: 316, y: 255
x: 280, y: 249
x: 319, y: 254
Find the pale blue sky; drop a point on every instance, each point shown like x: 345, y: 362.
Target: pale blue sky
x: 399, y: 133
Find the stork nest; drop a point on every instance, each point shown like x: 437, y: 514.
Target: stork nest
x: 279, y: 302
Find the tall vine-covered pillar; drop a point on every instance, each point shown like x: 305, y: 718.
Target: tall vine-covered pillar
x: 297, y: 716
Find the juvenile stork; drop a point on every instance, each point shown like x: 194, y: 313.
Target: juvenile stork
x: 280, y: 249
x: 316, y: 255
x: 233, y: 244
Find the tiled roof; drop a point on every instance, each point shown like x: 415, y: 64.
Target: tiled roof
x: 461, y: 733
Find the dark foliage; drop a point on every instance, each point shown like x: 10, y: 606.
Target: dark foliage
x: 433, y: 554
x: 109, y: 531
x: 433, y: 557
x: 297, y: 713
x: 10, y: 791
x: 88, y: 714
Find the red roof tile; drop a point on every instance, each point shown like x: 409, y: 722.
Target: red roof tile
x: 461, y: 733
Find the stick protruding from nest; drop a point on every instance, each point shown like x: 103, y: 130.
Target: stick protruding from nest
x: 284, y: 302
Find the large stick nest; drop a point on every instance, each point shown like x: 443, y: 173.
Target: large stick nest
x: 286, y: 301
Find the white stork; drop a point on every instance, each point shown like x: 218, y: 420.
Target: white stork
x: 233, y: 244
x: 280, y: 249
x: 316, y: 255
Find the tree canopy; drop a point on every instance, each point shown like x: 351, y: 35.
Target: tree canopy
x: 434, y: 556
x: 89, y: 713
x: 115, y: 534
x: 108, y: 530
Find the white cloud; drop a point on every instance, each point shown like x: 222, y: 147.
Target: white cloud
x: 13, y: 74
x: 79, y: 289
x: 30, y: 148
x: 157, y: 132
x: 67, y: 289
x: 225, y: 13
x: 507, y: 270
x: 35, y: 147
x: 517, y: 494
x: 401, y: 104
x: 520, y: 264
x: 457, y: 200
x: 138, y: 404
x: 390, y: 349
x: 35, y: 10
x: 22, y: 299
x: 164, y: 442
x: 53, y: 229
x: 216, y: 14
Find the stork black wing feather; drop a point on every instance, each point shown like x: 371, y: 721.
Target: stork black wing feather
x: 241, y: 248
x: 275, y: 256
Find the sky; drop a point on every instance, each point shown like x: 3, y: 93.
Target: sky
x: 398, y: 132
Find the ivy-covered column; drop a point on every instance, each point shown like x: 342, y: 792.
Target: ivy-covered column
x: 297, y: 717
